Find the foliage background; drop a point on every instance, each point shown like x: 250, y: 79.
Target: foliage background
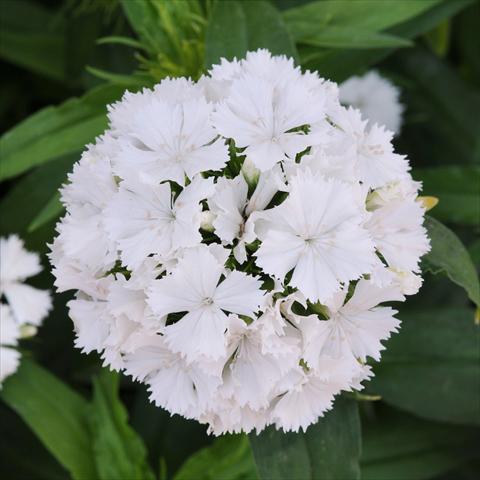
x: 64, y: 60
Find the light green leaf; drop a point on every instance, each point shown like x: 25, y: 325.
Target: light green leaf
x: 432, y: 367
x: 449, y: 255
x: 119, y: 451
x: 328, y: 450
x: 228, y: 458
x: 349, y: 37
x: 57, y: 415
x: 458, y: 191
x: 56, y: 131
x: 400, y: 446
x: 236, y: 27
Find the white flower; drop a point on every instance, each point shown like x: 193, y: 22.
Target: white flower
x: 175, y: 385
x: 171, y: 141
x: 376, y: 97
x: 376, y: 162
x: 147, y: 219
x: 396, y: 225
x: 231, y: 243
x: 28, y: 304
x: 317, y: 233
x: 263, y: 119
x: 354, y: 329
x: 9, y: 335
x: 194, y: 287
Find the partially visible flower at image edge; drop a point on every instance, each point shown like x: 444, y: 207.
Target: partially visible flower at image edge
x: 25, y: 307
x: 233, y: 243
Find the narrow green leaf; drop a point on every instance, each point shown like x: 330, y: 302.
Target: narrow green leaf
x: 431, y: 368
x: 457, y: 188
x: 228, y: 458
x: 126, y: 81
x: 226, y: 34
x: 397, y: 446
x: 341, y: 37
x: 57, y: 415
x: 339, y: 64
x: 328, y: 450
x: 51, y: 210
x: 304, y: 21
x: 56, y: 131
x: 449, y: 255
x: 119, y: 451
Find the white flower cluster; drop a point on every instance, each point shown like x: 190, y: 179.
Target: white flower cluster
x: 25, y: 306
x: 377, y: 98
x: 231, y: 241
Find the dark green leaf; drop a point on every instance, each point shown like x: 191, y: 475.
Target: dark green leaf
x: 328, y: 450
x: 266, y: 29
x: 399, y: 446
x: 236, y: 27
x: 451, y: 105
x: 29, y: 196
x: 226, y: 34
x: 229, y: 458
x: 36, y: 42
x: 119, y: 451
x: 449, y: 255
x: 57, y: 415
x: 50, y: 211
x: 458, y: 191
x: 432, y: 367
x: 56, y: 131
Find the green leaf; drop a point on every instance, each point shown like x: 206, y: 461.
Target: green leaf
x: 229, y: 458
x: 328, y: 450
x: 338, y: 64
x: 449, y: 255
x: 432, y: 367
x: 457, y: 189
x: 57, y: 415
x: 56, y: 131
x: 400, y: 446
x: 119, y: 451
x: 51, y: 210
x: 267, y: 29
x: 236, y: 27
x: 30, y: 195
x: 341, y: 37
x: 226, y: 34
x: 306, y: 20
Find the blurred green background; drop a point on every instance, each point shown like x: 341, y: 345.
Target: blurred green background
x: 62, y: 61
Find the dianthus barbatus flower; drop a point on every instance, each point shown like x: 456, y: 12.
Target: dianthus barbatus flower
x: 232, y: 241
x: 25, y: 306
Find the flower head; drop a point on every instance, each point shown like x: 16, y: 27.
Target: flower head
x: 232, y: 242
